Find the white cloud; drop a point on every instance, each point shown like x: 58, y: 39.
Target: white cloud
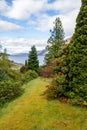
x: 69, y: 21
x: 22, y: 45
x: 5, y: 26
x: 64, y: 6
x: 42, y: 23
x: 22, y: 9
x: 67, y: 11
x: 3, y: 6
x: 45, y: 22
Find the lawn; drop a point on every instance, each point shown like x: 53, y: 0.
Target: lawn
x: 32, y: 111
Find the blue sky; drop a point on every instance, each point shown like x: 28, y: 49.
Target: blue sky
x: 24, y: 23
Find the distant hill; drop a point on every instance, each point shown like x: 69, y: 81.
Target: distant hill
x: 19, y: 54
x: 40, y: 53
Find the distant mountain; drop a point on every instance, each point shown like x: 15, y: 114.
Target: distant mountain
x: 20, y: 54
x: 40, y: 53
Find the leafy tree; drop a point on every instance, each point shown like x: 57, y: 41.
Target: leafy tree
x: 33, y: 63
x: 55, y: 41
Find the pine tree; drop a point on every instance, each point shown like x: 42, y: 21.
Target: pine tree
x: 33, y: 63
x: 78, y: 57
x: 55, y: 41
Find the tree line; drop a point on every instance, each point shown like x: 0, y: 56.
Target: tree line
x: 70, y: 61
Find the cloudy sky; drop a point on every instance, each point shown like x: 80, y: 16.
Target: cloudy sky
x: 24, y: 23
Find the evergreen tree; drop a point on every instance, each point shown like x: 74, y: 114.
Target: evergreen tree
x: 33, y: 63
x: 78, y: 56
x: 55, y: 41
x: 70, y: 82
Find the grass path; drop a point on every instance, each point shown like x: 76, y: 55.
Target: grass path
x: 32, y: 111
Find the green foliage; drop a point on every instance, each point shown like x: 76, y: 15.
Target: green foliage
x: 57, y: 88
x: 71, y: 67
x: 4, y: 62
x: 15, y: 76
x: 55, y: 41
x: 3, y: 75
x: 29, y: 75
x: 9, y: 91
x: 33, y: 63
x: 78, y: 55
x: 10, y: 81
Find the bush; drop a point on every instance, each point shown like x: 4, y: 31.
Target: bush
x: 15, y: 76
x: 47, y: 71
x: 29, y: 75
x: 55, y: 89
x: 9, y: 91
x: 3, y: 75
x: 23, y: 69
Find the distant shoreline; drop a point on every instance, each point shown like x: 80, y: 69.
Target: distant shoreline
x: 20, y: 59
x: 15, y: 63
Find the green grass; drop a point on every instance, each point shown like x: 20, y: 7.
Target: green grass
x: 32, y: 111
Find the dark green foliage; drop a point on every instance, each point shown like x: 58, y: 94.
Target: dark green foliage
x: 3, y: 75
x: 71, y: 70
x: 33, y: 63
x: 58, y: 86
x: 55, y: 41
x: 9, y: 91
x: 10, y: 81
x: 55, y: 90
x: 78, y: 56
x: 15, y: 76
x: 29, y: 75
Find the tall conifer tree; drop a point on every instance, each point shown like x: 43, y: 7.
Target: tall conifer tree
x: 33, y: 63
x: 55, y: 41
x: 78, y: 56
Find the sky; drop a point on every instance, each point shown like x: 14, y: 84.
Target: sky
x: 24, y: 23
